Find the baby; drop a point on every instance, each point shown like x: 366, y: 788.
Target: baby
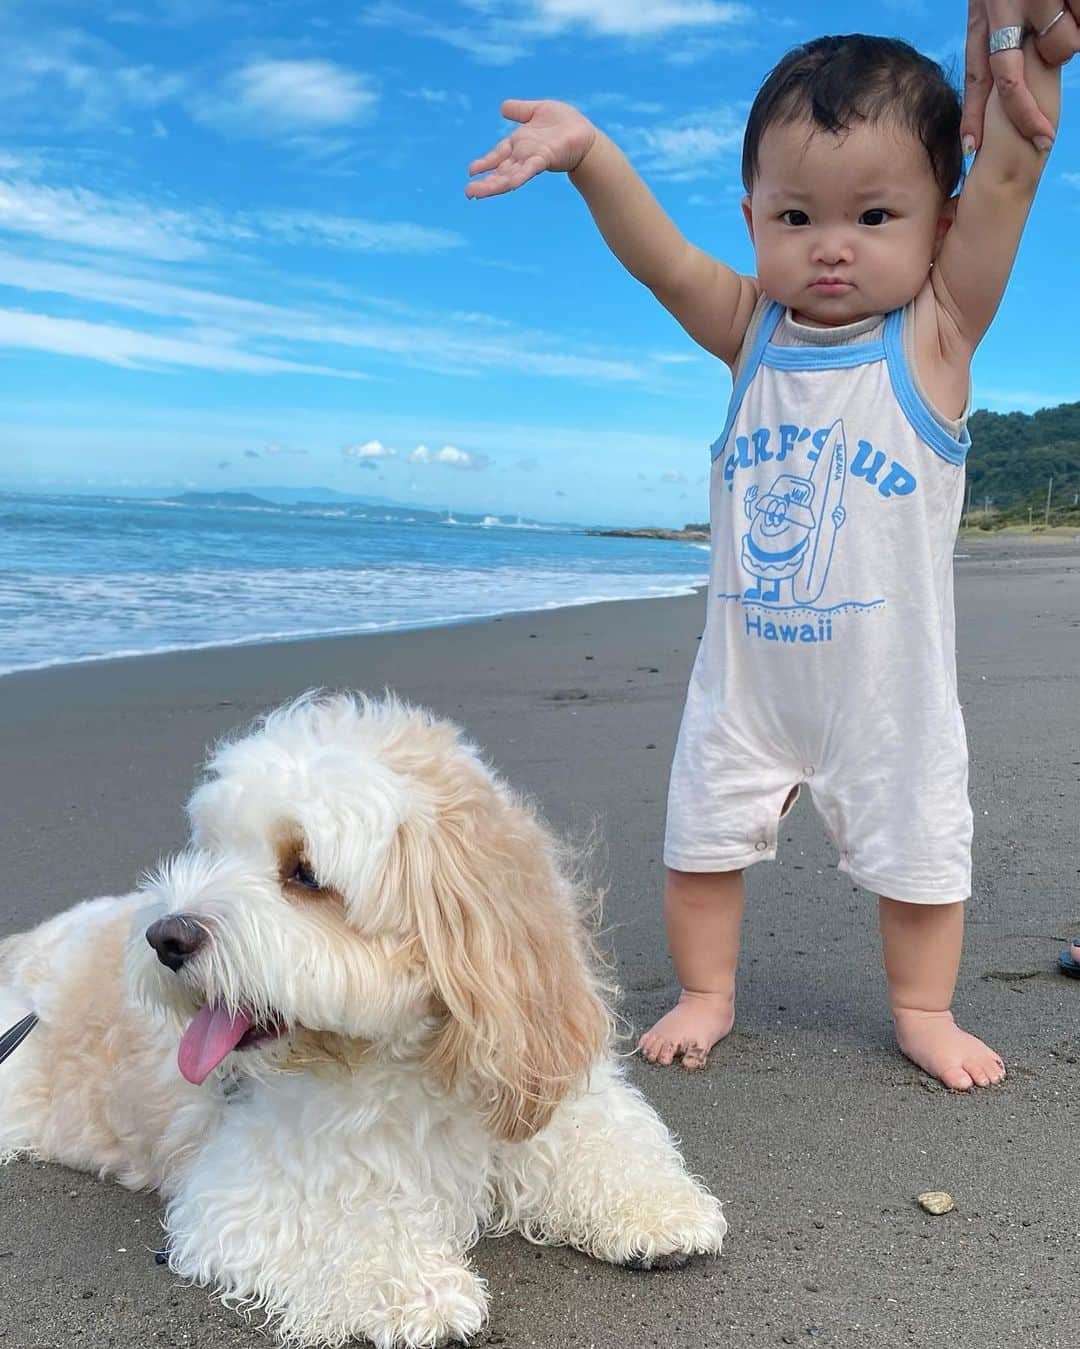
x: 828, y: 658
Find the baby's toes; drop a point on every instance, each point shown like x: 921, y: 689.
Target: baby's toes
x: 986, y: 1069
x: 694, y: 1057
x: 666, y: 1052
x: 957, y: 1078
x: 652, y: 1046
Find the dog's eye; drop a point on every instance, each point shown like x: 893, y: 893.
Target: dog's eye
x: 303, y: 874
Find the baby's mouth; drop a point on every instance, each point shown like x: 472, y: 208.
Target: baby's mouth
x: 216, y: 1032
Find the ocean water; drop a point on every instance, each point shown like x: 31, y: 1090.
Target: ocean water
x: 82, y: 578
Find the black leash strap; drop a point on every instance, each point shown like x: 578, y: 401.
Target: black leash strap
x: 13, y: 1038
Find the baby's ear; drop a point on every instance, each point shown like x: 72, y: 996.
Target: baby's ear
x: 946, y: 218
x: 748, y: 216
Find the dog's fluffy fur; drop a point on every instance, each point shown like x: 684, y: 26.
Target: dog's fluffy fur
x: 364, y: 883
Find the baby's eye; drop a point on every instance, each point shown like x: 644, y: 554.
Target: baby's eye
x: 795, y: 218
x: 877, y: 215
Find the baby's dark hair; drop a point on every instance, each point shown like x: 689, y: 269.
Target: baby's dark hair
x: 837, y: 81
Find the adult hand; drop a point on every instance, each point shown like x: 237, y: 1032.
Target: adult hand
x: 552, y: 136
x: 1055, y: 25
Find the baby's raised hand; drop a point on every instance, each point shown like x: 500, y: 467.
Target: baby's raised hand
x: 552, y: 136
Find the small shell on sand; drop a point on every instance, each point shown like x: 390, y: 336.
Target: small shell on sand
x: 936, y: 1201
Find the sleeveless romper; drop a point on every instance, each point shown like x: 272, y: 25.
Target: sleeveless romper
x: 828, y: 657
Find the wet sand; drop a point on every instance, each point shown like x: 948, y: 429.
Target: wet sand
x: 807, y: 1122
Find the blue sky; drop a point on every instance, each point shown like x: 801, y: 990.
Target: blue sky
x: 235, y: 249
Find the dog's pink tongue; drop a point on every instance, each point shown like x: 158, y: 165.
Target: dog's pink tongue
x: 211, y: 1036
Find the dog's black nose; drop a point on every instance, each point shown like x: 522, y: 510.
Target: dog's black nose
x: 175, y: 939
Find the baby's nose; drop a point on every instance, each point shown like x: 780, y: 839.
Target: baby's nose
x: 833, y: 248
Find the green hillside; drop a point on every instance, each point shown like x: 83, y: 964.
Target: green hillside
x: 1014, y: 456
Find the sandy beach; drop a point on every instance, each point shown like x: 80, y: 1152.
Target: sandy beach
x: 808, y: 1124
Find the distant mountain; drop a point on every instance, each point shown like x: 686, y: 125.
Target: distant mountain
x: 220, y: 499
x: 354, y: 508
x: 384, y: 507
x: 338, y: 502
x: 297, y: 496
x: 291, y: 498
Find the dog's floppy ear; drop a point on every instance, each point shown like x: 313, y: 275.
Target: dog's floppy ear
x: 506, y: 950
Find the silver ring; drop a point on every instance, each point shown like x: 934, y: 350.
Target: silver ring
x: 1006, y: 39
x: 1056, y: 19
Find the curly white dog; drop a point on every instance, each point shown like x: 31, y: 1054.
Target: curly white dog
x: 372, y: 972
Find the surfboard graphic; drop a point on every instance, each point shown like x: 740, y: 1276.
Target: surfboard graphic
x: 828, y: 476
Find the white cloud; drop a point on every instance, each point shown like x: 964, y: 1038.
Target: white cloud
x: 138, y: 350
x: 626, y: 103
x: 350, y: 232
x: 38, y: 427
x: 76, y: 215
x: 494, y: 44
x: 697, y: 145
x: 182, y: 13
x: 270, y: 98
x: 1073, y: 179
x: 672, y: 475
x: 64, y: 79
x: 502, y: 31
x: 677, y: 357
x: 433, y: 341
x: 450, y: 456
x: 445, y: 98
x: 72, y: 79
x: 370, y: 450
x: 618, y: 18
x: 450, y: 343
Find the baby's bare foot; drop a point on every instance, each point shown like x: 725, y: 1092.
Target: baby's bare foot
x: 690, y: 1029
x: 934, y: 1042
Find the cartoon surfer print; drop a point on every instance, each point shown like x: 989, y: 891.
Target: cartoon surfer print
x: 793, y: 526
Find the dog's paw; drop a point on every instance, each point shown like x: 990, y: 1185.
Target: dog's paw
x: 662, y: 1228
x: 448, y: 1308
x: 673, y: 1260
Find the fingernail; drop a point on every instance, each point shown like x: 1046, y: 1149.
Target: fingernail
x: 1043, y: 143
x: 969, y: 145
